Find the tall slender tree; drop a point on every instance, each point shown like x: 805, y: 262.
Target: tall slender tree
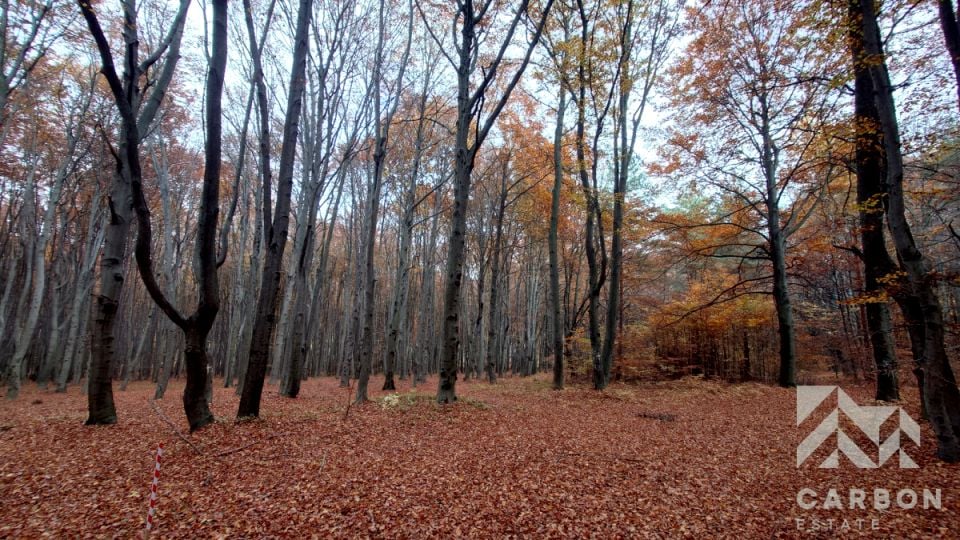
x: 384, y: 108
x: 276, y: 232
x: 747, y: 76
x: 473, y: 19
x: 872, y: 201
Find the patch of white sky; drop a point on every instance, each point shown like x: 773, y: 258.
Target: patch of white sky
x: 651, y: 135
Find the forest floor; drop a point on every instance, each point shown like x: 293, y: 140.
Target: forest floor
x: 688, y: 458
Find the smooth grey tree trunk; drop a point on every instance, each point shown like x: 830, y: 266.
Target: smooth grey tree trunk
x: 494, y: 357
x: 80, y: 304
x: 427, y: 345
x: 37, y: 289
x: 168, y: 262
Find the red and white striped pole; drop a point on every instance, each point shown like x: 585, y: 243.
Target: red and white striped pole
x: 153, y: 489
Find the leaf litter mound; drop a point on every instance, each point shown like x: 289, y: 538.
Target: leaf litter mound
x: 689, y: 459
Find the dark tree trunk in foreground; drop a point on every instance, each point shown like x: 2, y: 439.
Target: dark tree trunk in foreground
x: 470, y: 134
x: 195, y: 398
x: 130, y: 103
x: 872, y: 202
x: 197, y: 327
x: 556, y: 308
x: 941, y: 396
x: 265, y: 321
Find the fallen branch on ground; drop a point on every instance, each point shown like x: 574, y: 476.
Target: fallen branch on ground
x: 601, y: 456
x: 663, y: 417
x: 174, y: 427
x: 244, y: 447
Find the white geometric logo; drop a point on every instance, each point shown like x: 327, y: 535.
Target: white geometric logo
x: 867, y: 418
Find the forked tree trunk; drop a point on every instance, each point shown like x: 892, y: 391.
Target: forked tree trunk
x: 596, y: 274
x: 134, y: 123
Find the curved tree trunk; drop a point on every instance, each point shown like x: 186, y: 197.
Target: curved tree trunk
x: 136, y: 116
x: 940, y: 393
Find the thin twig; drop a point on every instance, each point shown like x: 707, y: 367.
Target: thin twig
x: 663, y: 417
x: 174, y: 427
x: 244, y: 447
x: 601, y: 456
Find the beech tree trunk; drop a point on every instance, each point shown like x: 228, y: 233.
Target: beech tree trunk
x: 265, y: 323
x: 81, y: 295
x: 383, y: 119
x: 471, y: 131
x: 127, y: 97
x: 596, y: 270
x: 871, y: 200
x: 99, y: 384
x: 941, y: 396
x: 777, y: 248
x: 426, y: 338
x: 556, y: 308
x: 402, y: 280
x: 24, y: 337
